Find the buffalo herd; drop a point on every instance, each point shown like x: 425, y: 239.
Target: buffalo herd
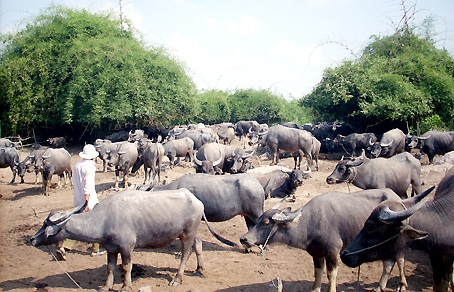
x: 380, y: 222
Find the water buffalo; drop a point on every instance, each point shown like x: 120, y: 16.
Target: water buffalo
x: 123, y: 158
x: 330, y: 145
x: 242, y: 128
x: 36, y: 159
x: 322, y: 227
x: 356, y: 141
x: 315, y: 151
x: 199, y: 137
x: 281, y: 183
x: 9, y: 157
x: 214, y: 158
x: 151, y: 159
x: 118, y: 136
x: 391, y: 143
x: 287, y: 139
x: 179, y: 148
x: 224, y: 197
x: 56, y: 161
x: 104, y: 147
x: 226, y: 134
x: 135, y: 135
x: 434, y: 142
x: 4, y: 142
x: 57, y: 142
x: 29, y: 163
x: 396, y: 173
x: 131, y: 219
x: 394, y: 225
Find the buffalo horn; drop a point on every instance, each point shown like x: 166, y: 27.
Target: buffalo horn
x: 279, y: 203
x: 62, y: 216
x: 307, y: 171
x: 121, y: 152
x: 424, y: 138
x: 248, y: 155
x: 388, y: 216
x: 46, y: 156
x: 15, y: 162
x: 284, y: 218
x: 386, y: 144
x: 355, y: 162
x: 215, y: 163
x: 370, y: 142
x: 262, y: 133
x: 197, y: 161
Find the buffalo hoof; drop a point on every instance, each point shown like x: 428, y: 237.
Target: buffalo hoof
x: 198, y: 274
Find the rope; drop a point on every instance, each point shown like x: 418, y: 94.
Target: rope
x: 263, y: 254
x: 67, y: 274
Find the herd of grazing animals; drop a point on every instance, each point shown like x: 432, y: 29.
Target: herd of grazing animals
x: 327, y: 226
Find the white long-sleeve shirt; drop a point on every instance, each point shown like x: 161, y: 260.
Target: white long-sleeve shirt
x: 84, y: 183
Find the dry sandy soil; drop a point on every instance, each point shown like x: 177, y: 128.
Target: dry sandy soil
x: 25, y: 268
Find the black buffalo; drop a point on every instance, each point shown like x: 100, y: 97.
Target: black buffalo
x: 434, y: 142
x: 356, y: 141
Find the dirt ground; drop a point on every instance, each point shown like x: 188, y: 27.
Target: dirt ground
x: 25, y: 268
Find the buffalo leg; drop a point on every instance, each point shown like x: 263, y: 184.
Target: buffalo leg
x: 197, y: 247
x: 319, y: 268
x: 332, y: 267
x: 111, y: 264
x: 442, y: 270
x: 117, y: 177
x: 13, y: 169
x: 126, y: 265
x: 387, y: 269
x: 187, y: 242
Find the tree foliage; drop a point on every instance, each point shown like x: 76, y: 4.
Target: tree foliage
x: 399, y: 78
x: 74, y: 67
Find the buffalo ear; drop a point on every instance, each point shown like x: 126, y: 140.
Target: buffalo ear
x: 412, y: 233
x: 286, y: 210
x: 52, y: 230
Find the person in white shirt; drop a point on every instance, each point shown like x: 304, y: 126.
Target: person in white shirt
x: 84, y: 190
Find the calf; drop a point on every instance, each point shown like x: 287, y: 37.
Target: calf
x: 322, y: 227
x: 280, y: 183
x: 131, y: 219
